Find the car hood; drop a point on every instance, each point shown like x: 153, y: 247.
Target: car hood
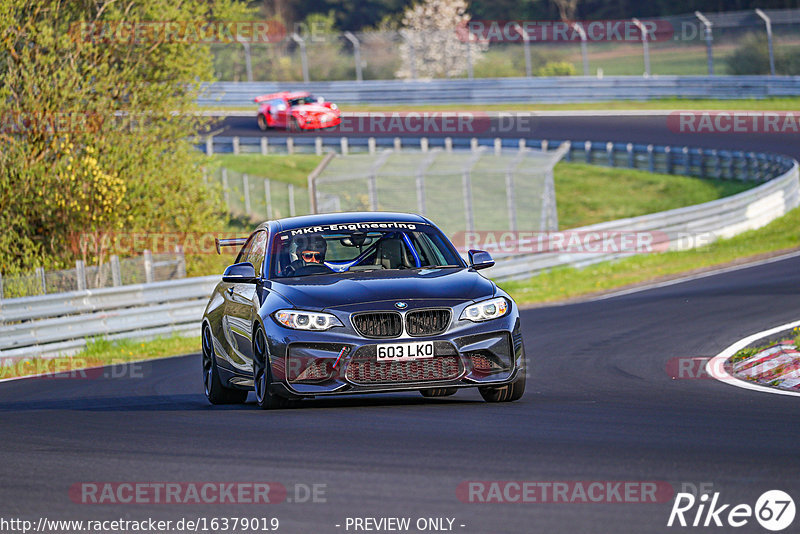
x: 345, y: 290
x: 313, y: 108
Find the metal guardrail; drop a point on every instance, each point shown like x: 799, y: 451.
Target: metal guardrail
x: 59, y: 323
x: 493, y: 90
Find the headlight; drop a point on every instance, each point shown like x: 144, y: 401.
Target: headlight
x: 305, y: 320
x: 334, y: 106
x: 488, y: 309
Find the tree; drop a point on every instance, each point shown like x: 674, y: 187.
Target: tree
x: 434, y: 41
x: 95, y: 126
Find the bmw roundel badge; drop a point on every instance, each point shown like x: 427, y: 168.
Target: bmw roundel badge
x: 401, y: 305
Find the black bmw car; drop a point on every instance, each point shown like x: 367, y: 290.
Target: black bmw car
x: 347, y: 303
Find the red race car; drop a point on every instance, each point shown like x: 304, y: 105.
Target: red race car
x: 296, y: 111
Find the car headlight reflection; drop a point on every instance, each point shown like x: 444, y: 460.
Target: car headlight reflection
x: 305, y: 320
x: 486, y: 310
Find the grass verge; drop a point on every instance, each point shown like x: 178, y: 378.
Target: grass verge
x: 100, y: 351
x: 793, y: 338
x: 782, y: 234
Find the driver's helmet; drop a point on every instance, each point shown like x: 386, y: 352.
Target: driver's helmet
x: 310, y: 249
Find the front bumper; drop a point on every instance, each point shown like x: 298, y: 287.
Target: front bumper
x: 340, y: 361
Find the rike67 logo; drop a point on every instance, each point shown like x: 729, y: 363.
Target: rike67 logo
x: 774, y: 510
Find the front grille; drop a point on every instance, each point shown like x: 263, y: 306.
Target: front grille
x: 378, y: 324
x: 364, y: 368
x: 427, y: 322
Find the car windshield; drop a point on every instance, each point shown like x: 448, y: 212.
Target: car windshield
x: 310, y: 99
x: 355, y: 247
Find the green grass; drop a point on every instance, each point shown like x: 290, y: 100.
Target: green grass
x: 588, y: 194
x: 292, y: 169
x: 100, y: 351
x: 793, y: 338
x: 562, y: 283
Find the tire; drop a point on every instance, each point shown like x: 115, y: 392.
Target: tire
x: 263, y: 123
x: 507, y: 393
x: 438, y: 392
x: 262, y: 375
x: 293, y: 126
x: 216, y: 393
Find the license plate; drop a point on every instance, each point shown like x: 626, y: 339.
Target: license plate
x: 399, y: 352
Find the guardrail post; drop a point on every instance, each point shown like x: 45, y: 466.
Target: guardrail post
x: 545, y: 145
x: 752, y: 173
x: 631, y: 156
x: 344, y: 146
x: 318, y: 146
x: 423, y: 144
x: 651, y: 159
x: 372, y: 192
x: 702, y: 162
x: 291, y: 201
x: 236, y: 145
x: 268, y: 198
x: 290, y: 145
x: 498, y: 146
x: 246, y: 190
x: 731, y: 166
x: 210, y: 145
x: 264, y: 146
x: 717, y: 163
x: 148, y: 266
x: 610, y: 151
x: 398, y: 144
x: 522, y: 144
x: 473, y: 144
x: 225, y: 189
x: 116, y: 272
x: 420, y: 183
x: 568, y: 154
x: 448, y: 144
x: 708, y: 38
x: 587, y: 149
x: 371, y: 146
x: 43, y: 277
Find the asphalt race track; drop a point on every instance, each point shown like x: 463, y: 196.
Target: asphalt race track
x: 600, y: 406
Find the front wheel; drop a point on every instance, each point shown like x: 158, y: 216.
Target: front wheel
x: 216, y: 393
x: 508, y: 393
x: 263, y: 124
x: 438, y: 392
x: 262, y: 375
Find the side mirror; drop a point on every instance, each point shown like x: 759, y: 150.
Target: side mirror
x: 480, y: 259
x: 241, y: 273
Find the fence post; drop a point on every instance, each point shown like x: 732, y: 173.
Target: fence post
x: 420, y: 183
x: 116, y: 274
x: 398, y: 144
x: 527, y: 49
x: 303, y: 56
x: 584, y: 53
x: 709, y: 38
x: 448, y: 144
x: 248, y: 61
x: 181, y: 267
x: 512, y: 213
x: 768, y: 23
x: 371, y: 146
x: 80, y: 275
x: 645, y: 46
x: 210, y: 145
x: 344, y: 146
x: 610, y: 151
x: 522, y: 144
x: 651, y: 159
x: 236, y: 145
x: 473, y: 144
x: 318, y: 146
x: 423, y: 144
x: 43, y: 278
x: 631, y: 156
x: 717, y: 163
x: 291, y: 201
x: 545, y: 145
x: 225, y: 190
x: 466, y: 185
x: 264, y: 146
x: 668, y: 159
x: 498, y: 146
x: 290, y: 145
x: 687, y: 161
x: 587, y: 148
x: 246, y: 190
x: 356, y: 54
x: 372, y: 192
x: 268, y: 198
x: 702, y: 162
x: 148, y: 266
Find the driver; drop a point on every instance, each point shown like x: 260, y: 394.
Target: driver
x: 307, y: 250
